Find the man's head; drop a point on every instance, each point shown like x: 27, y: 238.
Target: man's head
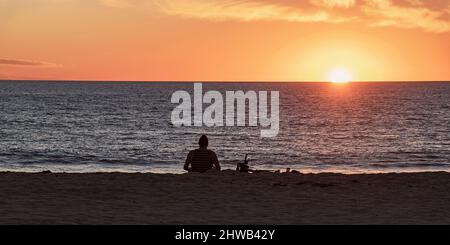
x: 203, y: 141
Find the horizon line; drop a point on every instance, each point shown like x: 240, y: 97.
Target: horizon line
x: 215, y: 81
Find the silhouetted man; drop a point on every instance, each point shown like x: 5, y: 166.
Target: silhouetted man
x: 201, y: 159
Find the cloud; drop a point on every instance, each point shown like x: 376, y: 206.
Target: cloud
x: 430, y: 16
x: 245, y: 11
x: 27, y: 63
x: 386, y: 13
x: 415, y: 2
x: 334, y: 3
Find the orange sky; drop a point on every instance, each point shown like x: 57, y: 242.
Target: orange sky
x: 222, y: 40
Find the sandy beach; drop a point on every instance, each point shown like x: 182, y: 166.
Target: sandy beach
x: 225, y: 198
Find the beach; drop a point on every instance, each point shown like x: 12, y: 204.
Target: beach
x: 227, y: 197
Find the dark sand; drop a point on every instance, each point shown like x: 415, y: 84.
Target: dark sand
x: 225, y: 198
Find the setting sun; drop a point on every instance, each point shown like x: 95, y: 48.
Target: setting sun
x: 340, y: 75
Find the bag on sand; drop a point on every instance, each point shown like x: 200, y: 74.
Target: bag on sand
x: 243, y: 167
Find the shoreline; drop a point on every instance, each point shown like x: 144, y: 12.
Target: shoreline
x: 179, y: 170
x: 225, y: 198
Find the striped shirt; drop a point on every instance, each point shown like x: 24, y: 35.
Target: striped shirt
x: 201, y: 160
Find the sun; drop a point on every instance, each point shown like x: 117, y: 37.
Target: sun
x: 340, y: 75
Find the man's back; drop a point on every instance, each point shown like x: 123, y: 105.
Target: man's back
x: 201, y: 160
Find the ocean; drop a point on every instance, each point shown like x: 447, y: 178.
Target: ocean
x: 126, y: 126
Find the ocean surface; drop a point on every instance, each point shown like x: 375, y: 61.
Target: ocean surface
x: 111, y: 126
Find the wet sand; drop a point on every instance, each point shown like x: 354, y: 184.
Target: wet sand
x: 225, y: 198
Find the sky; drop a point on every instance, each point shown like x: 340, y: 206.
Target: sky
x: 223, y: 40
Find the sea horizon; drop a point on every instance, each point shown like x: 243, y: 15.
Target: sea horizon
x: 217, y: 81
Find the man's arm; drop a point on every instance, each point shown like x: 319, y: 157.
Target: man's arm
x: 188, y: 161
x: 215, y: 161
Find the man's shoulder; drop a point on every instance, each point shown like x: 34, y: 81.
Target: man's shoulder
x: 211, y: 152
x: 192, y: 152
